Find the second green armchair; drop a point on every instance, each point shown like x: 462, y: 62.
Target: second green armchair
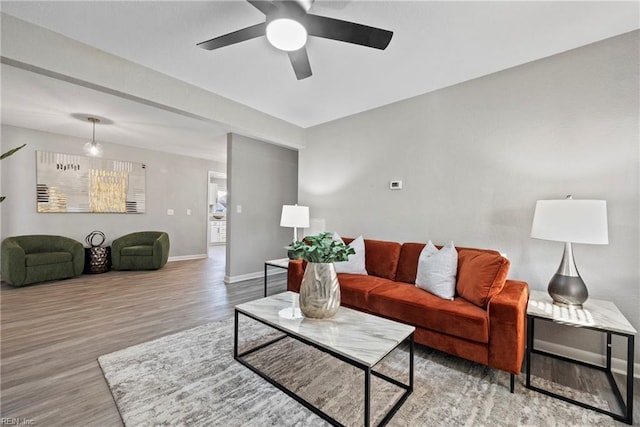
x: 143, y: 250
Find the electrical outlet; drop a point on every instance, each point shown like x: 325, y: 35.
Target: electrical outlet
x: 188, y: 211
x: 169, y: 211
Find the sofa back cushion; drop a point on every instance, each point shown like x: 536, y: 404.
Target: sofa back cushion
x: 482, y: 273
x: 38, y: 243
x: 381, y: 258
x: 408, y: 263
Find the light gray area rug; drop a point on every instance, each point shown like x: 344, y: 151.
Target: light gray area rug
x: 191, y: 379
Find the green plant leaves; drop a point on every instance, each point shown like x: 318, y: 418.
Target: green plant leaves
x: 10, y: 152
x: 4, y: 156
x: 320, y: 249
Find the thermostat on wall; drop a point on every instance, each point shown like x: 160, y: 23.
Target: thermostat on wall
x: 395, y: 185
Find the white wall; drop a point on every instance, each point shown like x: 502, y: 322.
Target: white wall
x: 172, y: 182
x: 39, y: 50
x: 475, y: 157
x: 261, y: 178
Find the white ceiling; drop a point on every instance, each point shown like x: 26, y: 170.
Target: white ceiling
x: 435, y: 44
x: 38, y: 102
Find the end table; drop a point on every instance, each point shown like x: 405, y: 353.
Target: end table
x: 97, y: 259
x: 598, y: 315
x: 278, y: 263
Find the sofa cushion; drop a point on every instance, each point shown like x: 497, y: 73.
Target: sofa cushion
x: 138, y: 250
x: 44, y: 258
x: 355, y: 288
x: 356, y: 262
x: 381, y: 257
x: 408, y: 304
x: 482, y: 273
x: 437, y: 270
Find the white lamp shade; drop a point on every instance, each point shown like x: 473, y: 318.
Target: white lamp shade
x: 568, y: 220
x: 294, y: 216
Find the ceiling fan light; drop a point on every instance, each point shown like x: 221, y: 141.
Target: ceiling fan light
x: 286, y: 34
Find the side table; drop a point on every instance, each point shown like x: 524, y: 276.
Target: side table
x: 277, y: 263
x: 597, y: 315
x: 97, y: 259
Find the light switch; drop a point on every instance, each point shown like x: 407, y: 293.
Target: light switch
x: 188, y: 211
x: 239, y: 208
x: 169, y: 211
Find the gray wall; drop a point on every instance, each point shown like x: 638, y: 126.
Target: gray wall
x: 475, y: 157
x: 261, y: 178
x: 173, y: 182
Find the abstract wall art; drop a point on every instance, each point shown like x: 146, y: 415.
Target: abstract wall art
x: 73, y: 183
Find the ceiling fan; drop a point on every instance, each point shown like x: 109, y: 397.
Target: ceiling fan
x: 287, y: 26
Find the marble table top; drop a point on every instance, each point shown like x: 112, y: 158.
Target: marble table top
x: 361, y: 337
x: 595, y: 314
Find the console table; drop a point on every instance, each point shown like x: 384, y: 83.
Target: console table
x: 277, y: 263
x: 598, y: 315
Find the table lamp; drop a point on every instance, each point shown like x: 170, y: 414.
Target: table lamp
x: 570, y: 221
x: 294, y: 216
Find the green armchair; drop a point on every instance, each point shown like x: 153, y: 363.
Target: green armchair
x: 39, y: 258
x: 143, y: 250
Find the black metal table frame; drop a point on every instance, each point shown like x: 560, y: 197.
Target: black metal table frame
x: 268, y: 264
x: 627, y: 408
x: 368, y: 371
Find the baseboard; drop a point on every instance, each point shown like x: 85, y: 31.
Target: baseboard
x: 256, y: 275
x: 186, y: 257
x: 617, y: 365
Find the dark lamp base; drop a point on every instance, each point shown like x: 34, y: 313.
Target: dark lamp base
x: 568, y: 291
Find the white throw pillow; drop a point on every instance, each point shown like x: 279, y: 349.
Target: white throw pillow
x: 356, y: 262
x: 437, y: 270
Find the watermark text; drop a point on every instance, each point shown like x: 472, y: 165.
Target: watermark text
x: 12, y: 421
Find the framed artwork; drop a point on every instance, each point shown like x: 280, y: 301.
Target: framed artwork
x: 73, y: 183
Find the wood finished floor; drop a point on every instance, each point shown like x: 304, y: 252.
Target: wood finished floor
x: 52, y: 334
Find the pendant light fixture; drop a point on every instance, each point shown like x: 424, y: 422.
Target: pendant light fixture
x: 93, y: 148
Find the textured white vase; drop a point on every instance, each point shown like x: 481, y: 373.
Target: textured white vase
x: 319, y: 291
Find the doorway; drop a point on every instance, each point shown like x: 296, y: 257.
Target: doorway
x: 216, y: 213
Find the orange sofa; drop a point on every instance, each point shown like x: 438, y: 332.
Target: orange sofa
x: 485, y: 323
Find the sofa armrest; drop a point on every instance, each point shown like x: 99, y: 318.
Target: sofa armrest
x: 161, y: 250
x: 77, y: 252
x: 117, y: 245
x: 294, y: 274
x: 14, y: 270
x: 507, y: 312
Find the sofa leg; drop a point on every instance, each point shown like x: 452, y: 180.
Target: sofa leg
x: 512, y: 384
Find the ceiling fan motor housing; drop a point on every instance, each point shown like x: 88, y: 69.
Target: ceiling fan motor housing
x: 304, y: 24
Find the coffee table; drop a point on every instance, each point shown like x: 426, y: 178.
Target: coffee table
x: 359, y: 339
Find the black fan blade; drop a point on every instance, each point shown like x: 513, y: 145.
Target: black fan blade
x: 235, y: 37
x: 265, y: 7
x: 350, y: 32
x: 300, y: 62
